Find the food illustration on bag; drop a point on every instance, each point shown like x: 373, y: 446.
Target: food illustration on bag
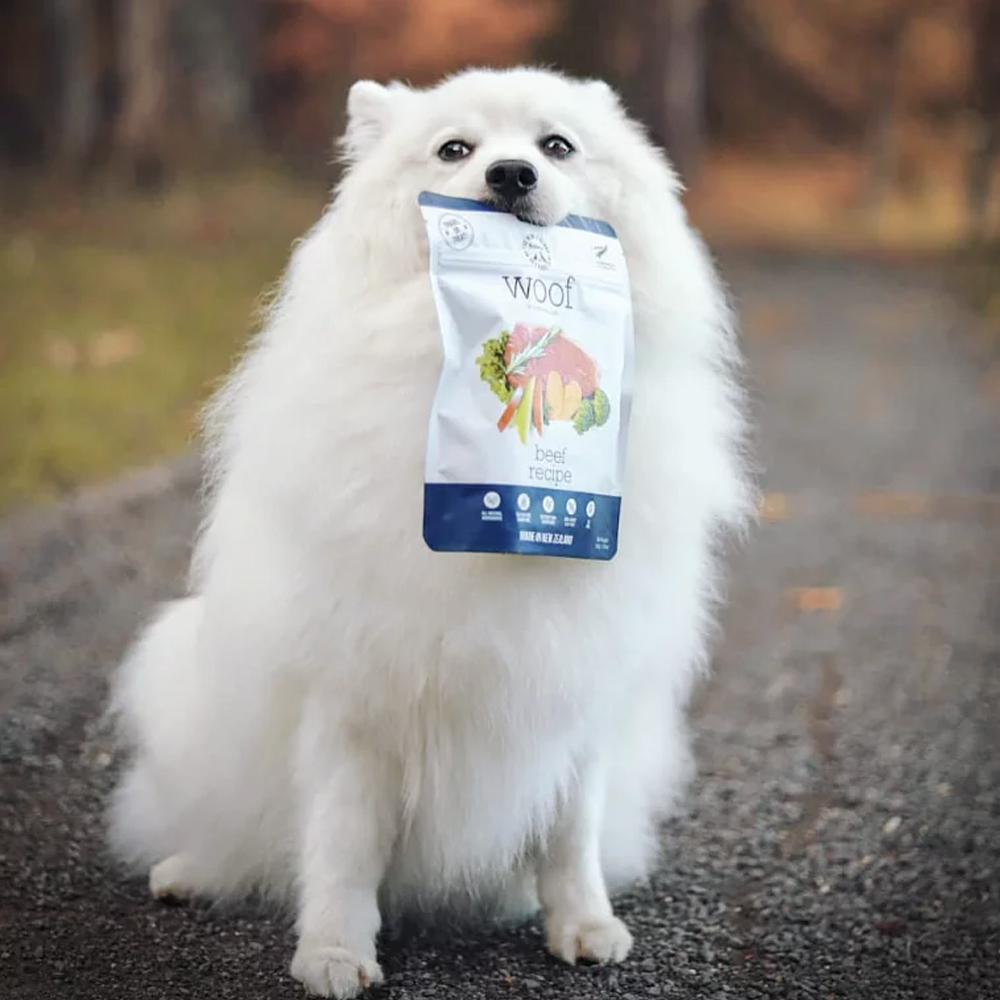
x: 542, y: 377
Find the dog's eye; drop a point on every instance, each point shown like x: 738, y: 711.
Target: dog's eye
x: 556, y: 146
x: 454, y: 149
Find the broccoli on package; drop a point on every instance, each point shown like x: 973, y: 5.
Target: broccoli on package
x: 526, y: 444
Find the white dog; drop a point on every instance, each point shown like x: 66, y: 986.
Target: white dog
x: 340, y: 715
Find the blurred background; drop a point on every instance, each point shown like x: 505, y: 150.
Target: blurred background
x: 158, y: 157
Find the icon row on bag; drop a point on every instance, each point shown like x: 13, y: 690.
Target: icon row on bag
x: 491, y: 501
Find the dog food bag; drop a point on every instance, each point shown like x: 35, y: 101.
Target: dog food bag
x: 527, y: 436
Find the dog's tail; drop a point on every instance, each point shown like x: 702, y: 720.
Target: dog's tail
x: 155, y: 705
x: 207, y: 773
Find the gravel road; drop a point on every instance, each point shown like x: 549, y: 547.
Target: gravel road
x: 843, y: 837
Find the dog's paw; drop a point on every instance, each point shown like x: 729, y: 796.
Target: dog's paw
x: 334, y: 972
x: 605, y: 940
x: 172, y: 880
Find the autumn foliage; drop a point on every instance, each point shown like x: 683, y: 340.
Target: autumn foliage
x: 315, y: 47
x: 412, y: 39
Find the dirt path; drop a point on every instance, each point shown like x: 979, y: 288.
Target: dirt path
x: 843, y: 839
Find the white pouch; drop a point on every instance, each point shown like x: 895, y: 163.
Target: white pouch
x: 526, y: 445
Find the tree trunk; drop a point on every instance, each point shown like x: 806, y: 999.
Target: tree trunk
x: 576, y: 47
x: 880, y: 140
x: 76, y: 97
x: 680, y: 39
x: 653, y: 52
x: 219, y: 38
x: 881, y: 148
x: 983, y: 222
x: 985, y: 104
x: 144, y: 65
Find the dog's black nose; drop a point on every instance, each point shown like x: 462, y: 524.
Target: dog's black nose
x: 510, y: 180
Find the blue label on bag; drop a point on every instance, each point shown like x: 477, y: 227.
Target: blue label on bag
x: 520, y: 519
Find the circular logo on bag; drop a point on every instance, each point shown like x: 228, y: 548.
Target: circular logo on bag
x: 523, y: 501
x: 571, y: 506
x: 492, y: 500
x: 548, y: 505
x: 537, y: 250
x: 455, y: 231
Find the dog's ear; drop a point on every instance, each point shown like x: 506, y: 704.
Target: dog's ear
x: 370, y: 108
x: 603, y: 93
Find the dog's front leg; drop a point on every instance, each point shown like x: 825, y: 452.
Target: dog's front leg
x: 346, y: 832
x: 579, y: 922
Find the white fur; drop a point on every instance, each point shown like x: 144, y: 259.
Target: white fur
x: 340, y: 715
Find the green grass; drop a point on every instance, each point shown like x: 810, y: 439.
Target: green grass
x: 118, y: 317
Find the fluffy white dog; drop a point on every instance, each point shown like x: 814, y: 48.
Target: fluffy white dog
x: 339, y: 715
